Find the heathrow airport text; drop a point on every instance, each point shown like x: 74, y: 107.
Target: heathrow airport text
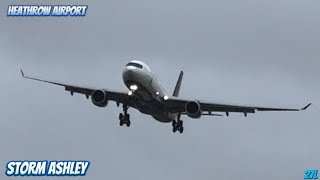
x: 48, y: 10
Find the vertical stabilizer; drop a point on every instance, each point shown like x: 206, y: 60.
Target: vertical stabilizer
x: 178, y: 85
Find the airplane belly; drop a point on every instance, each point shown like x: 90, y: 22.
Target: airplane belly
x: 154, y: 109
x: 145, y: 95
x: 162, y: 118
x: 147, y: 108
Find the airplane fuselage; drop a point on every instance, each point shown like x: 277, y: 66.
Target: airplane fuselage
x: 144, y: 86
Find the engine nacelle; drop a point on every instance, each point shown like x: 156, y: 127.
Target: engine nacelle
x: 99, y: 98
x: 193, y: 109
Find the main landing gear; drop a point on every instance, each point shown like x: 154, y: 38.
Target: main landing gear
x: 177, y: 125
x: 125, y: 117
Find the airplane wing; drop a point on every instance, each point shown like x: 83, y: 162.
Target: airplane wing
x: 175, y: 104
x: 119, y: 97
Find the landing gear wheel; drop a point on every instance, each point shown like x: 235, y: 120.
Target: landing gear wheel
x: 120, y: 116
x: 128, y: 123
x: 174, y: 129
x: 121, y: 122
x: 181, y: 130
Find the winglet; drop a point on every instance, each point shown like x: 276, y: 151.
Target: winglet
x: 22, y: 74
x: 306, y: 106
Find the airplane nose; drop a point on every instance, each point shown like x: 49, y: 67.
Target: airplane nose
x: 135, y: 76
x: 128, y: 74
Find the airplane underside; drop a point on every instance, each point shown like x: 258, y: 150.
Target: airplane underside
x: 164, y: 117
x: 146, y: 103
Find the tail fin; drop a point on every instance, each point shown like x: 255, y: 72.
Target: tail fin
x: 178, y: 85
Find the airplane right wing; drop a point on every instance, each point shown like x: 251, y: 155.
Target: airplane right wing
x: 119, y: 97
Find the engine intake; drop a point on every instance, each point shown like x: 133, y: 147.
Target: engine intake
x: 193, y: 109
x: 99, y: 98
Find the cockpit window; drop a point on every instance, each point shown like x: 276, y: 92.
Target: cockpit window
x: 135, y: 65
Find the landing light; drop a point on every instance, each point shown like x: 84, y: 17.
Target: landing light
x: 133, y: 87
x: 157, y: 93
x: 130, y: 93
x: 165, y: 97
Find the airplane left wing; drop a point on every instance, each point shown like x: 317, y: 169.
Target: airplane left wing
x: 119, y: 97
x: 175, y: 104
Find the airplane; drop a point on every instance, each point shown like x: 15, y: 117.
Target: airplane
x: 148, y: 96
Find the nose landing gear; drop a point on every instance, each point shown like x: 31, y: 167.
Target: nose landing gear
x: 125, y: 117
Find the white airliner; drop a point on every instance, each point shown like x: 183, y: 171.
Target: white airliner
x: 149, y: 97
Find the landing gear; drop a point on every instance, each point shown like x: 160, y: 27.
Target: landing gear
x: 177, y: 125
x: 125, y: 117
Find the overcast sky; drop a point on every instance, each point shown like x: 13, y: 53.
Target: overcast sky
x: 249, y: 52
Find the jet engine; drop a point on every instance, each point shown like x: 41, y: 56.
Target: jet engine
x: 99, y: 98
x: 193, y: 109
